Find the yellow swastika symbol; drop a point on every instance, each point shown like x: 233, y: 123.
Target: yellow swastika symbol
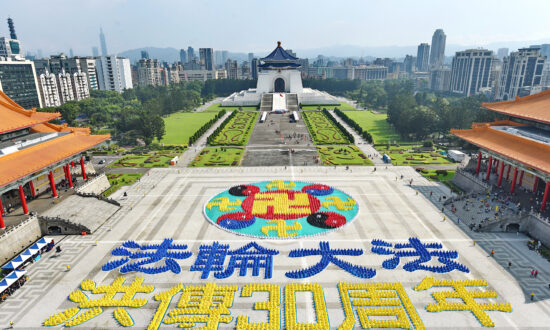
x: 223, y: 204
x: 342, y: 206
x: 281, y: 228
x: 280, y: 185
x: 280, y: 203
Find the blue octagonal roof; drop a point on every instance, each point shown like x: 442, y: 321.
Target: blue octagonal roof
x: 279, y: 54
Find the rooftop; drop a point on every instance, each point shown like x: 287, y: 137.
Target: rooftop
x: 513, y: 146
x: 27, y: 161
x: 533, y: 107
x: 14, y: 117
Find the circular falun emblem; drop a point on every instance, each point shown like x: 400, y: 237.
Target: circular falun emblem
x: 281, y: 209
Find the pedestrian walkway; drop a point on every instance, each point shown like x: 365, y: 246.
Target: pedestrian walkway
x: 193, y: 150
x: 365, y: 147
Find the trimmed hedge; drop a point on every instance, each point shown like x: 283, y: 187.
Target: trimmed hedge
x: 205, y: 127
x: 212, y: 136
x: 340, y: 126
x: 364, y: 134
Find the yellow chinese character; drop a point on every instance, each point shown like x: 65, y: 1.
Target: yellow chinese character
x: 468, y: 298
x: 272, y: 306
x: 208, y: 304
x: 280, y: 185
x: 378, y: 299
x: 223, y: 204
x: 340, y: 205
x: 281, y: 228
x: 320, y: 306
x: 94, y: 306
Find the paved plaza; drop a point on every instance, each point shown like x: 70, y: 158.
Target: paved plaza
x: 170, y: 203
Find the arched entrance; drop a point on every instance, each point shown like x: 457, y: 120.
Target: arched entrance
x: 279, y: 85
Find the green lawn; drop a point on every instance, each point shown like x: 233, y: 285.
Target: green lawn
x: 344, y: 155
x: 342, y: 106
x: 218, y: 156
x: 159, y: 160
x: 182, y: 125
x: 118, y: 180
x: 238, y: 129
x: 375, y: 124
x: 322, y: 129
x: 218, y: 107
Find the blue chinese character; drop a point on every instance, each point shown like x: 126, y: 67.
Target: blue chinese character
x: 210, y: 259
x: 423, y: 253
x: 250, y: 256
x: 327, y: 257
x: 151, y: 254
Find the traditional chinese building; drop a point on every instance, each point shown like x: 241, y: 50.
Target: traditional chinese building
x: 36, y: 155
x: 279, y: 86
x: 518, y: 147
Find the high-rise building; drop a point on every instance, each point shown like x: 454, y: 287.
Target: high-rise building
x: 71, y: 53
x: 102, y: 43
x: 81, y: 88
x: 244, y: 72
x: 225, y: 56
x: 544, y: 49
x: 207, y: 58
x: 114, y: 73
x: 408, y: 63
x: 95, y: 52
x: 502, y: 53
x: 370, y: 72
x: 149, y: 72
x: 521, y: 73
x: 422, y: 58
x: 18, y: 81
x: 190, y: 54
x: 440, y: 79
x: 437, y: 56
x: 471, y: 71
x: 49, y: 91
x: 250, y: 57
x: 11, y: 27
x: 65, y: 84
x: 144, y: 54
x: 232, y: 69
x: 254, y: 68
x: 183, y: 56
x: 218, y: 57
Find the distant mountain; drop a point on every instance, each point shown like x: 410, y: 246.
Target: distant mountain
x: 170, y: 54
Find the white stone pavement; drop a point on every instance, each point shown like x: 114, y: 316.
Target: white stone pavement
x: 169, y: 203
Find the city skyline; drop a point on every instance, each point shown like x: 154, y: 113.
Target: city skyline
x: 330, y: 25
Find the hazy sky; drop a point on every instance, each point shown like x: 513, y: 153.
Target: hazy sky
x: 246, y: 25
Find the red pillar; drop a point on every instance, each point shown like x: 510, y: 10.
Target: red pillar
x: 521, y: 178
x: 536, y: 184
x: 500, y: 172
x: 508, y: 173
x: 2, y: 225
x: 83, y: 169
x: 69, y: 177
x: 72, y: 163
x: 52, y: 184
x: 478, y: 162
x: 23, y: 200
x: 490, y: 164
x: 65, y: 172
x: 514, y: 180
x: 33, y: 192
x: 497, y: 162
x: 545, y: 197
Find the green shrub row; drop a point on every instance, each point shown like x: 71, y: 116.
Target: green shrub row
x: 344, y: 131
x: 214, y: 134
x: 363, y: 132
x: 205, y: 127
